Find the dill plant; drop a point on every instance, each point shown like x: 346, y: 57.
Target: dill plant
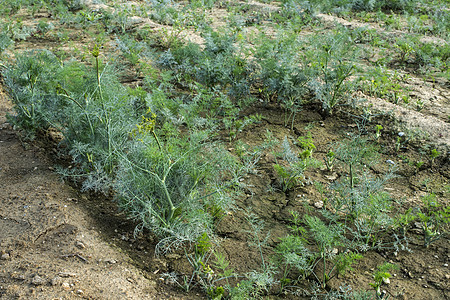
x: 290, y: 170
x: 221, y: 65
x: 280, y: 74
x: 257, y: 282
x: 331, y: 73
x: 328, y: 238
x: 168, y: 185
x: 175, y: 185
x: 361, y: 201
x: 292, y: 255
x: 88, y: 105
x: 29, y: 83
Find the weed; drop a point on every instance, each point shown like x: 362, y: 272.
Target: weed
x: 378, y: 129
x: 44, y: 27
x: 434, y: 218
x: 433, y: 155
x: 235, y: 126
x: 418, y: 165
x: 329, y: 160
x: 381, y: 276
x: 405, y: 50
x: 5, y: 42
x: 307, y: 145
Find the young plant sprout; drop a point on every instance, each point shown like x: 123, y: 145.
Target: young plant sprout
x: 378, y: 129
x: 329, y: 160
x: 381, y: 276
x: 433, y: 155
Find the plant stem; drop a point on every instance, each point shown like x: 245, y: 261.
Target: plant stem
x: 324, y: 283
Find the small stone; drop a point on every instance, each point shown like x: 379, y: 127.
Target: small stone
x: 80, y: 292
x: 67, y: 274
x: 65, y: 285
x: 111, y: 261
x: 80, y: 245
x: 331, y: 177
x: 445, y: 265
x: 390, y: 162
x: 56, y: 281
x: 401, y: 133
x: 38, y: 280
x: 17, y: 276
x: 425, y: 286
x: 386, y: 280
x: 318, y: 204
x: 5, y: 256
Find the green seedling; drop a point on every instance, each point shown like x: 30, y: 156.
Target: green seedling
x: 405, y: 50
x: 307, y: 145
x: 378, y: 129
x: 418, y: 165
x: 381, y: 276
x: 433, y: 155
x: 434, y: 217
x: 419, y: 105
x: 290, y: 170
x: 328, y: 238
x: 330, y: 160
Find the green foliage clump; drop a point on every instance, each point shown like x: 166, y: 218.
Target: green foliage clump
x: 330, y: 72
x: 343, y: 6
x: 435, y: 219
x: 170, y: 182
x: 290, y: 170
x: 381, y: 276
